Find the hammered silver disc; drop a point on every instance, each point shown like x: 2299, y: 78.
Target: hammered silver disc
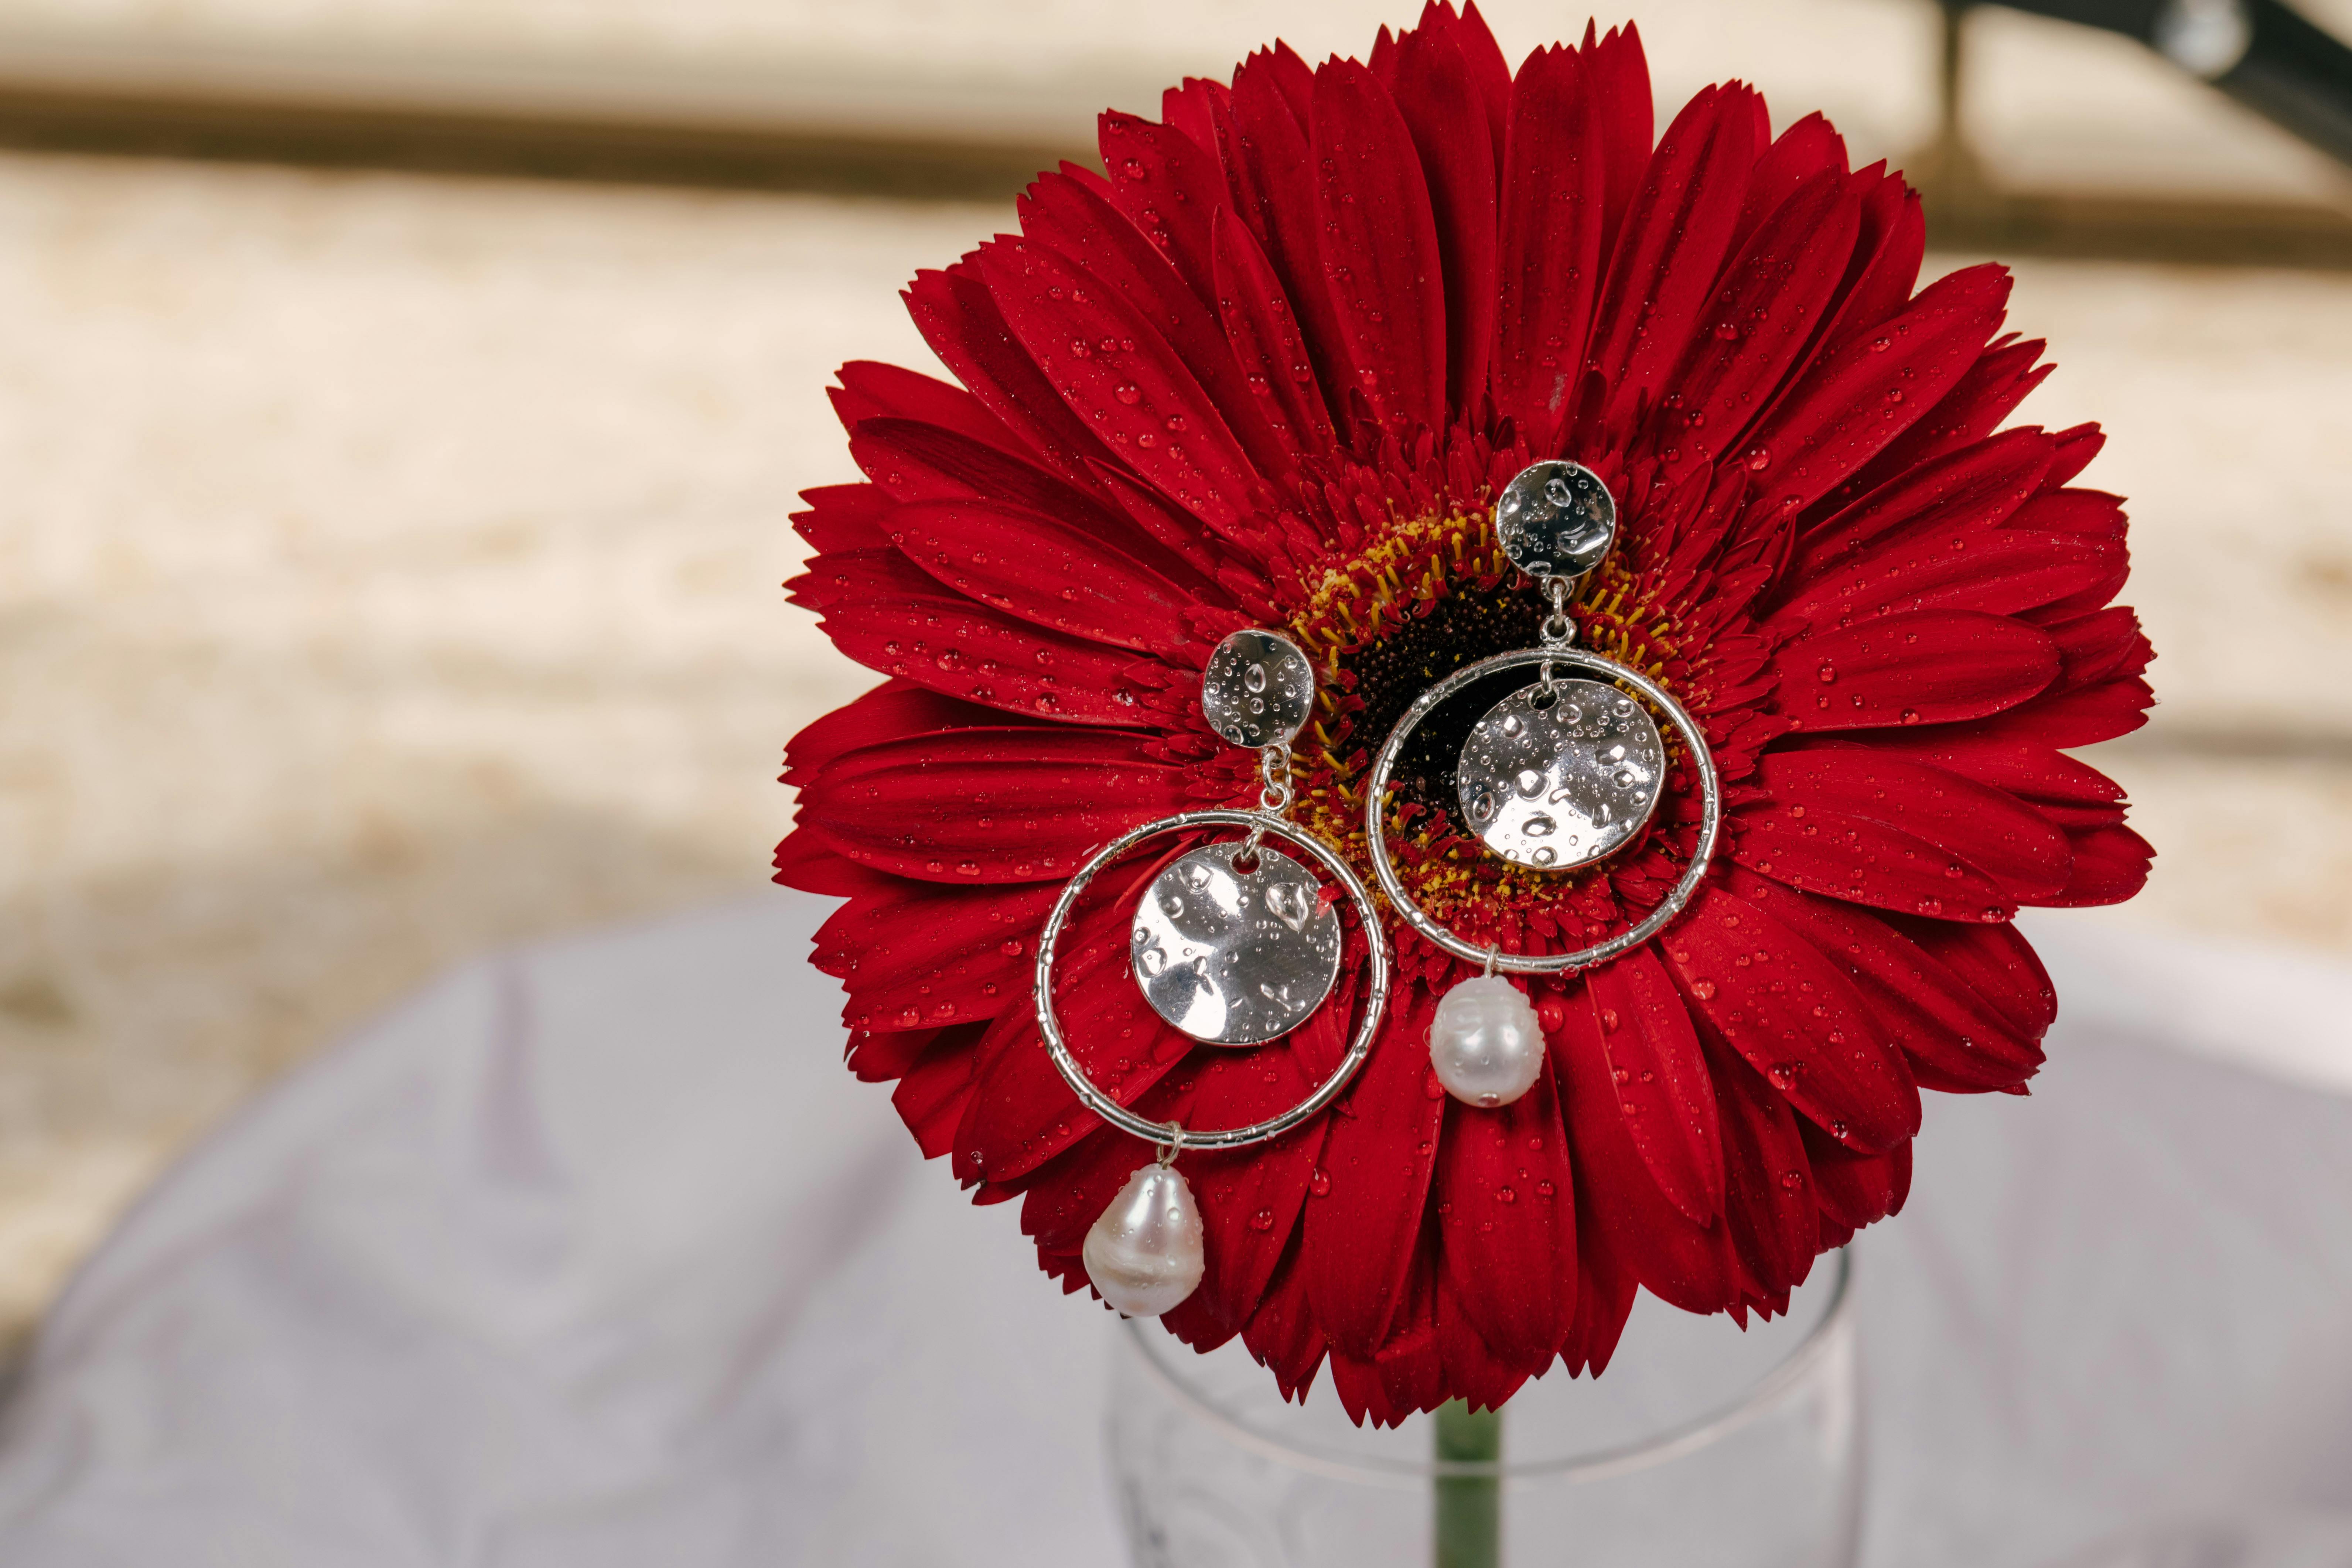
x: 1234, y: 958
x: 1259, y: 688
x: 1555, y: 519
x: 1559, y: 786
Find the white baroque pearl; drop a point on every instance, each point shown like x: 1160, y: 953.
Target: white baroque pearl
x: 1486, y: 1043
x: 1145, y: 1254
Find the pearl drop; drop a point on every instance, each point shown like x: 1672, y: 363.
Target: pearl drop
x: 1145, y: 1254
x: 1486, y: 1043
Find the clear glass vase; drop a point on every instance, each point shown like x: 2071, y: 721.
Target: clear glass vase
x: 1703, y: 1446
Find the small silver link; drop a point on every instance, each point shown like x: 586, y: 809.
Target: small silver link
x: 1557, y: 629
x: 1273, y: 773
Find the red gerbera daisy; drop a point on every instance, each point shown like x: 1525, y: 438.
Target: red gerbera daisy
x: 1272, y: 371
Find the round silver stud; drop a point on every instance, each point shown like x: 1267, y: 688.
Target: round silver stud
x: 1258, y: 690
x: 1559, y: 782
x: 1555, y: 519
x: 1234, y: 957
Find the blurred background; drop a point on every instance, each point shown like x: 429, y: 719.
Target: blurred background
x: 401, y: 402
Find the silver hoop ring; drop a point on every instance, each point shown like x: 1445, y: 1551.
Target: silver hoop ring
x: 1376, y: 797
x: 1158, y: 1133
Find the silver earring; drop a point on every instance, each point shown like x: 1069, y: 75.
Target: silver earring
x: 1560, y: 775
x: 1234, y: 943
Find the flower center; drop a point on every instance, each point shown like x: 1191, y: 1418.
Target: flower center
x: 1429, y: 595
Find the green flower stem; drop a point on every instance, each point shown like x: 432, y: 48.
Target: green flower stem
x: 1469, y: 1508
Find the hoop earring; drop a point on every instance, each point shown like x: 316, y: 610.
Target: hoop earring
x: 1557, y: 776
x: 1234, y: 943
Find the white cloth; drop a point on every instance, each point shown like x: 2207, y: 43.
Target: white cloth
x: 593, y: 1254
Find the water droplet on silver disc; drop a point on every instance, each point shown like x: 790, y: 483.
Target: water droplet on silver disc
x: 1234, y: 958
x: 1555, y: 519
x: 1257, y: 689
x: 1557, y: 786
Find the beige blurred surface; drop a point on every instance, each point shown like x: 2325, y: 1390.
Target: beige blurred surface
x: 388, y: 570
x: 388, y: 565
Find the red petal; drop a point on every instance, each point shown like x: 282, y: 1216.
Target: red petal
x: 1265, y: 337
x: 1853, y: 1189
x: 1975, y: 487
x: 923, y: 462
x: 1664, y: 269
x: 1617, y: 74
x: 1361, y: 1235
x: 1759, y: 317
x: 883, y: 612
x: 997, y: 806
x: 924, y: 954
x: 885, y: 1056
x: 1048, y: 574
x: 1886, y: 257
x: 1069, y: 216
x: 1490, y: 73
x: 1411, y: 1374
x: 932, y: 1097
x: 1929, y: 667
x: 1168, y: 186
x: 1856, y: 398
x: 1998, y: 963
x: 891, y: 710
x: 808, y: 861
x: 2071, y: 718
x: 1767, y: 1208
x: 1810, y: 148
x: 1660, y: 1081
x: 1251, y: 1198
x: 1282, y: 1334
x: 842, y: 517
x: 2088, y: 514
x: 2002, y: 573
x: 955, y: 313
x: 1991, y: 829
x: 1794, y: 1017
x: 2105, y: 645
x: 1676, y: 1259
x: 1380, y: 261
x: 1864, y: 862
x: 2077, y: 445
x: 1548, y: 270
x: 2026, y: 768
x: 1957, y: 1039
x: 1273, y: 149
x: 1441, y: 106
x: 1113, y: 367
x: 1470, y: 1368
x: 1604, y: 1297
x: 2111, y: 864
x: 1190, y: 109
x: 872, y: 389
x: 1991, y: 391
x: 1506, y: 1224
